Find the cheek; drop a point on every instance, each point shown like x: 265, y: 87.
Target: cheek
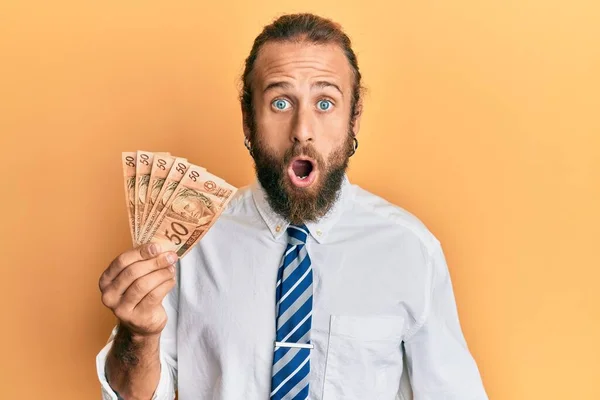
x: 272, y: 125
x: 333, y: 134
x: 335, y: 124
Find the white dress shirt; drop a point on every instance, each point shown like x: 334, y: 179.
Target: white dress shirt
x: 384, y: 321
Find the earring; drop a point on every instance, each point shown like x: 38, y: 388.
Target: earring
x: 355, y: 147
x: 248, y: 146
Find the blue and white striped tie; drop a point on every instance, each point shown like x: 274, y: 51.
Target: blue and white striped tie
x: 291, y: 361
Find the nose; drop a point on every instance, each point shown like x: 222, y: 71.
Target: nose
x: 303, y: 129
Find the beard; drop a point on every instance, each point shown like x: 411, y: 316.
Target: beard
x: 300, y: 205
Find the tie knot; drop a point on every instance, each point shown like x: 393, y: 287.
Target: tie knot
x: 297, y: 234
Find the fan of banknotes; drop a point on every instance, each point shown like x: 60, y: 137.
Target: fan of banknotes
x: 171, y: 201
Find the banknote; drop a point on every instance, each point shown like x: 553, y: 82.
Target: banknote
x: 128, y: 160
x: 173, y: 178
x: 143, y: 167
x: 197, y: 203
x: 171, y: 201
x: 160, y: 169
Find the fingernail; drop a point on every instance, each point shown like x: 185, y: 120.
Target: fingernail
x: 153, y: 249
x: 171, y: 257
x: 171, y: 268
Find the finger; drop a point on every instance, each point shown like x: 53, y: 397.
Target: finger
x: 144, y: 285
x: 156, y: 296
x: 127, y: 276
x: 144, y: 252
x: 111, y: 296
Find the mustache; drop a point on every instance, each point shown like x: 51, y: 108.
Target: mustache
x: 306, y: 150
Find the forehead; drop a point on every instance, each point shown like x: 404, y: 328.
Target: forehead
x: 302, y: 61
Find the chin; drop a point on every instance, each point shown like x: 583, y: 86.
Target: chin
x: 302, y: 192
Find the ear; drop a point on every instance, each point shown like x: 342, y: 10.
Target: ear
x: 357, y: 117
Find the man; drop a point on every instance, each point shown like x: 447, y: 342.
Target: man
x: 307, y: 286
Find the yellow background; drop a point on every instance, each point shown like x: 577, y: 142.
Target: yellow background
x: 482, y: 118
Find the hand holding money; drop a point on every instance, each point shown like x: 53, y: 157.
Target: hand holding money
x: 134, y: 285
x: 171, y: 202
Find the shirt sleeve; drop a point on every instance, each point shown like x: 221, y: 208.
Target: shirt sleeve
x: 168, y: 353
x: 439, y: 363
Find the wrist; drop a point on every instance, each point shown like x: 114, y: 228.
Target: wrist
x: 125, y: 334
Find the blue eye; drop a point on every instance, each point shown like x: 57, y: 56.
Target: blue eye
x: 324, y: 105
x: 280, y: 104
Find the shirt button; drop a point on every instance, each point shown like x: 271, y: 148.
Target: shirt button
x: 319, y: 232
x: 278, y: 228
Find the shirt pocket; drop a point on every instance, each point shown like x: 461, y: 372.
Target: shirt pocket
x: 364, y: 358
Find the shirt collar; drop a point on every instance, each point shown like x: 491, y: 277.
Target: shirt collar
x: 318, y: 229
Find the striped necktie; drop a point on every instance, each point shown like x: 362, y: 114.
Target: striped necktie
x: 291, y: 360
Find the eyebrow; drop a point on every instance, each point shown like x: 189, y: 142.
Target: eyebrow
x: 276, y: 85
x: 325, y: 84
x: 287, y: 85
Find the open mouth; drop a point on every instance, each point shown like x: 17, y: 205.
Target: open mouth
x: 302, y: 171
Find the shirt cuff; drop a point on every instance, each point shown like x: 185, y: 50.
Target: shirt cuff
x: 164, y: 391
